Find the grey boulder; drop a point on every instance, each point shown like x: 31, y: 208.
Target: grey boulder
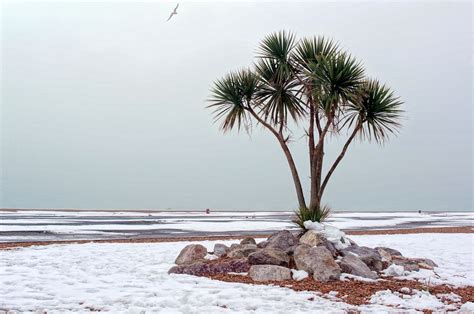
x: 353, y: 265
x: 206, y: 268
x: 241, y: 250
x: 269, y: 256
x: 191, y: 253
x: 369, y: 256
x: 282, y: 240
x: 221, y: 249
x: 392, y: 252
x: 317, y: 261
x: 248, y: 241
x: 269, y: 273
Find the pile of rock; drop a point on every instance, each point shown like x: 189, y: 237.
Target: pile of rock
x: 323, y: 252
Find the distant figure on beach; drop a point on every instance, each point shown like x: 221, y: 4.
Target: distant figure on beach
x: 208, y: 211
x: 419, y: 211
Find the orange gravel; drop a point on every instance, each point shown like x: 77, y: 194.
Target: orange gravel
x: 352, y: 291
x: 9, y: 245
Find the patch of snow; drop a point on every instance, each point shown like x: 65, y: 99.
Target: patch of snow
x: 394, y: 270
x: 345, y: 277
x: 211, y: 257
x: 313, y: 225
x: 299, y: 275
x: 419, y: 300
x: 467, y: 307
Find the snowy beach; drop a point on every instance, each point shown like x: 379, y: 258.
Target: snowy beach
x: 30, y: 225
x: 132, y: 278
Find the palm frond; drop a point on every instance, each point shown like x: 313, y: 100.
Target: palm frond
x: 339, y: 76
x: 231, y: 96
x: 378, y: 109
x: 303, y: 214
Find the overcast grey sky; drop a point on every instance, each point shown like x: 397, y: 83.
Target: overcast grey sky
x: 103, y: 105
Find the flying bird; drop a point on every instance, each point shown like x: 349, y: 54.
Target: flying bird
x: 173, y: 13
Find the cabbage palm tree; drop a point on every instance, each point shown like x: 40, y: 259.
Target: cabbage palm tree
x: 316, y: 84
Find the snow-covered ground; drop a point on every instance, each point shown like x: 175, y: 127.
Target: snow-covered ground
x: 132, y: 278
x: 64, y: 225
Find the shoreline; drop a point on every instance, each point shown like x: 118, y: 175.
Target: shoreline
x: 12, y: 245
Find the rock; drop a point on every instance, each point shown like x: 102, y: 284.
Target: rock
x: 355, y: 266
x: 425, y: 266
x: 242, y: 251
x: 312, y: 238
x: 248, y: 241
x: 221, y: 249
x: 234, y: 246
x: 369, y: 256
x: 343, y: 243
x: 289, y: 251
x: 262, y: 244
x: 213, y: 268
x: 394, y: 270
x: 407, y: 263
x: 328, y: 245
x: 385, y: 256
x: 392, y: 252
x: 299, y: 275
x: 190, y: 254
x: 317, y: 261
x: 281, y: 240
x: 269, y: 272
x: 425, y: 261
x: 269, y: 256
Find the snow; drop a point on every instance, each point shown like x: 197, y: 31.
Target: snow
x: 119, y: 277
x: 394, y: 270
x: 299, y: 275
x: 467, y: 307
x: 419, y: 300
x: 331, y: 233
x: 454, y: 254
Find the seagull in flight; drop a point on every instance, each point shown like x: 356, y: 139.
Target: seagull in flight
x: 173, y: 13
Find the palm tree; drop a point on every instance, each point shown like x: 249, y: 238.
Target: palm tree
x: 316, y: 84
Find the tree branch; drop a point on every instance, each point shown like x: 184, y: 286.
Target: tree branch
x: 339, y: 158
x: 289, y: 157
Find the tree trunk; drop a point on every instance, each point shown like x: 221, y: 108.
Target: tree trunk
x: 316, y: 167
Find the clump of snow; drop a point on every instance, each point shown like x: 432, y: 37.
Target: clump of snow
x: 394, y: 270
x: 238, y: 274
x: 467, y: 307
x: 313, y: 225
x: 211, y: 257
x: 346, y: 277
x: 405, y: 290
x: 334, y: 235
x: 299, y: 275
x: 449, y: 296
x: 419, y: 300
